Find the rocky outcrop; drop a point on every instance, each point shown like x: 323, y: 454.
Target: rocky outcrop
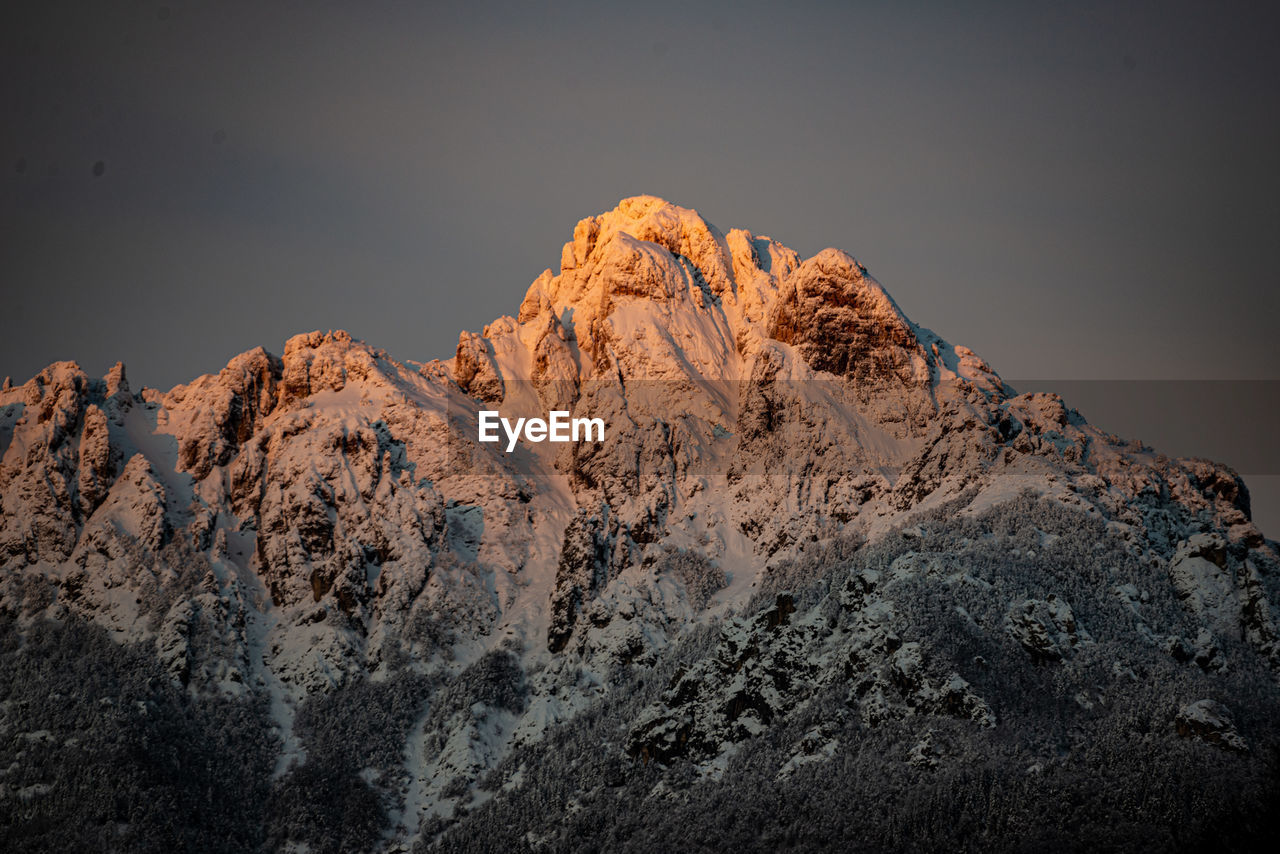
x: 475, y: 371
x: 59, y: 461
x: 581, y: 573
x: 1045, y: 628
x: 99, y: 461
x: 335, y: 502
x: 1203, y: 579
x: 760, y: 669
x: 219, y: 413
x: 1209, y: 720
x: 842, y: 321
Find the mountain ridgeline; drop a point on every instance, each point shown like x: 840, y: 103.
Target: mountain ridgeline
x: 826, y: 582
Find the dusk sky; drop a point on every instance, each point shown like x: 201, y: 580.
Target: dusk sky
x: 1075, y: 191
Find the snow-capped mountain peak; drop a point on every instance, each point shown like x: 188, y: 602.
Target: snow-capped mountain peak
x: 329, y: 517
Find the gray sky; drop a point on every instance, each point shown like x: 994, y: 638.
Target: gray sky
x: 1074, y: 190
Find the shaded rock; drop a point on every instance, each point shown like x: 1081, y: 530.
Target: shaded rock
x: 1210, y: 721
x: 1046, y: 628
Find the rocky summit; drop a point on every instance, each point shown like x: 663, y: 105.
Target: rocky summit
x: 826, y: 583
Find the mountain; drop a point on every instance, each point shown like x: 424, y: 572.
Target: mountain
x: 826, y: 581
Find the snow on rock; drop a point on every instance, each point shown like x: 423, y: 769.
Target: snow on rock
x: 1209, y: 720
x: 475, y: 370
x: 1046, y: 628
x: 1201, y: 574
x: 840, y: 320
x: 221, y: 411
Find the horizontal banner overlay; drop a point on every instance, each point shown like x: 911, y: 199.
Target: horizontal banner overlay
x: 799, y: 427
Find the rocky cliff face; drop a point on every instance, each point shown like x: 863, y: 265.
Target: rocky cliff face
x: 294, y: 524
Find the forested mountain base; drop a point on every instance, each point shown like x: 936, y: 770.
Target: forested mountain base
x: 1014, y: 680
x: 1091, y: 750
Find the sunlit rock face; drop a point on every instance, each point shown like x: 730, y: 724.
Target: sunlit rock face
x: 815, y: 535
